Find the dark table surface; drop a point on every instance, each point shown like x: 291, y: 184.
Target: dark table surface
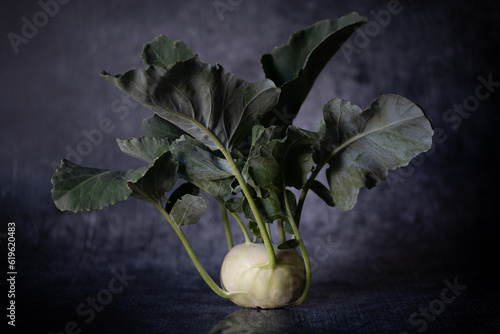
x: 155, y: 301
x: 419, y: 253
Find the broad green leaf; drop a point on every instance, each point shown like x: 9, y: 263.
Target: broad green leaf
x: 162, y: 52
x: 188, y: 210
x: 298, y: 162
x: 203, y: 167
x: 159, y: 179
x: 158, y: 127
x: 361, y: 146
x: 205, y: 101
x: 77, y: 188
x: 145, y: 148
x: 183, y: 189
x: 295, y: 66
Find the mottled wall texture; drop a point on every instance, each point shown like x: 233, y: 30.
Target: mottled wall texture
x: 438, y: 215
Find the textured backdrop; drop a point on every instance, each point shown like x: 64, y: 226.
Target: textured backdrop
x: 373, y: 266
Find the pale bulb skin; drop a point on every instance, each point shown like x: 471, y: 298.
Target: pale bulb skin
x: 243, y: 271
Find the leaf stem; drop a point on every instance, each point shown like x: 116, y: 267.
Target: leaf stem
x: 303, y: 250
x: 204, y: 274
x: 253, y: 206
x: 241, y: 180
x: 268, y: 230
x: 305, y: 189
x: 281, y: 231
x: 227, y: 228
x: 307, y: 186
x: 242, y: 226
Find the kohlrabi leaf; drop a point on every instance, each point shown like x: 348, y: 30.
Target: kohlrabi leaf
x: 260, y: 137
x: 145, y: 148
x: 234, y: 204
x: 203, y: 167
x: 266, y: 173
x: 218, y: 189
x: 270, y: 209
x: 361, y: 146
x: 158, y: 127
x: 77, y: 188
x: 298, y: 161
x: 274, y: 164
x: 188, y: 210
x: 205, y: 101
x: 159, y: 179
x: 163, y: 52
x: 295, y: 66
x: 183, y: 189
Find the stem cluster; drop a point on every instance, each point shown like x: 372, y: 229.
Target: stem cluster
x: 264, y: 229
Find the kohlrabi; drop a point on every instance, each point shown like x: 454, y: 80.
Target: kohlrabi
x: 235, y: 141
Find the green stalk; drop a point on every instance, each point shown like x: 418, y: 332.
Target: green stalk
x: 307, y: 186
x: 255, y: 210
x: 241, y: 180
x: 242, y: 226
x: 281, y: 231
x: 204, y: 274
x: 268, y: 230
x: 227, y: 228
x: 305, y: 189
x: 303, y: 250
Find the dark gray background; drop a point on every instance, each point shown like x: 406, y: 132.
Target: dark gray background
x: 384, y: 260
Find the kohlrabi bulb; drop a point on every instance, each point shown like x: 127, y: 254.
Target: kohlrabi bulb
x: 244, y: 270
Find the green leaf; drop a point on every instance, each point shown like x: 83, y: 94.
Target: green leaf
x: 198, y: 161
x: 162, y: 52
x: 260, y: 137
x: 145, y: 148
x: 298, y: 162
x: 266, y: 169
x: 159, y: 179
x: 205, y: 101
x: 289, y: 244
x: 295, y: 66
x: 158, y: 127
x: 361, y: 146
x: 278, y: 163
x: 183, y: 189
x: 218, y: 189
x: 266, y: 172
x: 77, y: 188
x: 234, y: 204
x: 203, y: 167
x: 188, y: 210
x: 270, y: 209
